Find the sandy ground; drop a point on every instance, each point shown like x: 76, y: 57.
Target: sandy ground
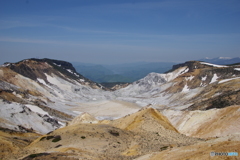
x: 107, y: 109
x: 200, y: 150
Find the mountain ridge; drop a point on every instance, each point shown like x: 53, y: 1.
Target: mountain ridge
x: 194, y: 82
x: 70, y: 116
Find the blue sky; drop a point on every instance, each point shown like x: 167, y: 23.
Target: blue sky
x: 119, y: 31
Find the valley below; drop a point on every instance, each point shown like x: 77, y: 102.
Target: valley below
x: 50, y: 111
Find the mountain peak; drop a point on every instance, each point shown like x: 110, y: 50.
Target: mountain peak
x: 147, y: 118
x: 84, y: 118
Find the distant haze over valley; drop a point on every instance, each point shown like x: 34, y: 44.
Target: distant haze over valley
x: 130, y: 72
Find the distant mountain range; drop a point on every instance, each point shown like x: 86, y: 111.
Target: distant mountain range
x: 221, y: 60
x: 128, y: 72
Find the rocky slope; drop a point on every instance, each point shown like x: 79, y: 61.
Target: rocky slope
x: 78, y: 118
x: 53, y: 92
x: 190, y: 86
x: 41, y: 91
x: 108, y: 141
x: 205, y: 124
x: 200, y: 150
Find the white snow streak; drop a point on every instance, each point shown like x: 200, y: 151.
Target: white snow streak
x: 69, y: 70
x: 41, y: 81
x: 57, y: 65
x: 214, y: 65
x: 226, y: 80
x: 57, y: 81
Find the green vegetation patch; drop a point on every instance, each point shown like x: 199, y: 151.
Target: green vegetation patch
x: 42, y: 138
x: 114, y: 133
x: 49, y: 137
x: 56, y: 139
x: 58, y: 146
x: 164, y: 148
x: 31, y: 156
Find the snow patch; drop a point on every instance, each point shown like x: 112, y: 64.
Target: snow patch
x: 204, y: 78
x: 62, y: 124
x: 16, y: 114
x: 237, y: 69
x: 41, y: 81
x: 78, y: 112
x: 57, y: 81
x: 185, y: 71
x: 57, y: 65
x: 185, y: 88
x: 189, y: 78
x: 214, y: 79
x: 226, y: 80
x: 214, y: 65
x: 17, y: 95
x: 172, y: 75
x: 69, y: 70
x: 76, y: 74
x: 6, y: 65
x: 37, y: 109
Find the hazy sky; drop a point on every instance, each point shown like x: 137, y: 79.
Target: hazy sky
x: 119, y: 31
